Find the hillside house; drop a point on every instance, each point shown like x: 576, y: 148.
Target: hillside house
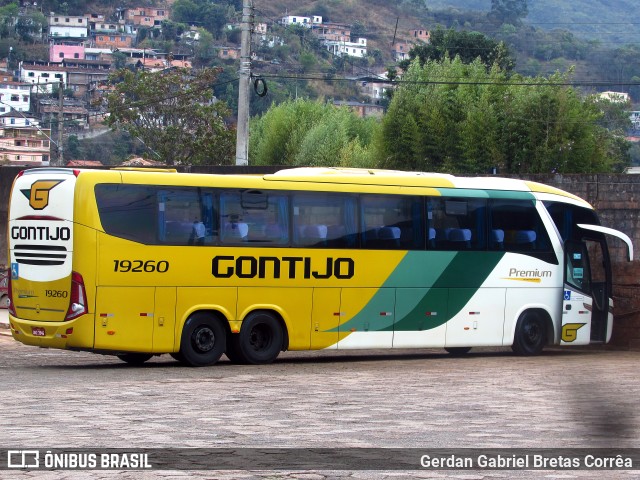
x: 113, y: 41
x: 332, y: 32
x: 228, y: 53
x: 144, y: 16
x: 401, y: 50
x: 60, y: 50
x: 420, y: 35
x: 14, y: 95
x: 42, y: 75
x: 74, y: 112
x: 306, y: 22
x: 354, y: 49
x: 84, y: 75
x: 22, y: 141
x: 635, y: 120
x: 67, y: 26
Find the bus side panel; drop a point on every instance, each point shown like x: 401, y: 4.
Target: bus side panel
x: 325, y: 318
x: 420, y: 316
x: 480, y: 321
x: 124, y: 318
x: 164, y: 320
x: 292, y: 304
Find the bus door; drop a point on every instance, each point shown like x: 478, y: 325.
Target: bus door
x: 587, y: 289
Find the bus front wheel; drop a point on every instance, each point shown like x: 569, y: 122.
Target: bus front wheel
x: 531, y: 334
x: 260, y: 339
x: 203, y: 340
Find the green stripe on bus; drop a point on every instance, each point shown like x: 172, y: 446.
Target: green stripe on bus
x: 423, y: 300
x: 470, y: 193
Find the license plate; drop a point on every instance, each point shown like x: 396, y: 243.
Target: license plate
x: 37, y: 331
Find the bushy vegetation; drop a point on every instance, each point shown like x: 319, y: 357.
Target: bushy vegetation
x: 310, y: 133
x: 488, y: 120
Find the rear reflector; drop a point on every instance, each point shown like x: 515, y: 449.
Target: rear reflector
x: 78, y: 297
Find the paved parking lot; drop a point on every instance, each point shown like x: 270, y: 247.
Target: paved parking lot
x: 425, y: 399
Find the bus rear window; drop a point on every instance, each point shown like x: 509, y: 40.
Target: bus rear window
x: 128, y: 211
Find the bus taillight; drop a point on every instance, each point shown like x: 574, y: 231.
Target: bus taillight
x: 11, y: 306
x: 78, y: 301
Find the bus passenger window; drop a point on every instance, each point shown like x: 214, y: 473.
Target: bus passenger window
x: 519, y: 226
x: 324, y: 220
x: 458, y: 223
x: 186, y: 216
x: 255, y: 216
x: 391, y: 222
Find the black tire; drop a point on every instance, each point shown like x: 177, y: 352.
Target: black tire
x: 203, y: 340
x: 4, y: 301
x: 458, y: 351
x: 261, y: 338
x: 135, y: 358
x: 531, y: 334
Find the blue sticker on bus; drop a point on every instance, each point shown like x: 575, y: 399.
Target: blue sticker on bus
x: 14, y: 271
x: 567, y: 294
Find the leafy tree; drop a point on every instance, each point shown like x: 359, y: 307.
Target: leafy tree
x: 174, y: 114
x: 508, y: 11
x: 211, y: 16
x: 305, y: 133
x: 486, y: 119
x: 464, y: 44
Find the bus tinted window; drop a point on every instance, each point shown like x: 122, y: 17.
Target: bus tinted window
x: 324, y: 220
x: 254, y: 216
x: 186, y: 216
x: 392, y: 222
x: 567, y: 217
x: 515, y: 226
x: 456, y: 223
x: 128, y: 211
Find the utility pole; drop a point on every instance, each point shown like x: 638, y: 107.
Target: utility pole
x: 242, y: 130
x: 60, y: 123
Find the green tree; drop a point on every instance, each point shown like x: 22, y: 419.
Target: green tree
x: 305, y: 133
x: 210, y: 15
x: 174, y: 114
x: 508, y: 11
x: 464, y: 44
x: 485, y: 119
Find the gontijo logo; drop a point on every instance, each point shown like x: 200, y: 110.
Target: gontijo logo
x: 38, y: 194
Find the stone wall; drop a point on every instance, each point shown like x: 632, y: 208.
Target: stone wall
x: 616, y: 197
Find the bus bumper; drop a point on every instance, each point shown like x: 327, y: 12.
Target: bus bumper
x: 77, y: 333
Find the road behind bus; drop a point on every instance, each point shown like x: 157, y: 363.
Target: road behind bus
x: 428, y: 399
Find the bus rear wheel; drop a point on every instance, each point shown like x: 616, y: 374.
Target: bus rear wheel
x: 531, y: 334
x: 203, y: 340
x: 135, y: 358
x: 260, y: 339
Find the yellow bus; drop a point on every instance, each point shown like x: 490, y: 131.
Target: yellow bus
x: 141, y: 263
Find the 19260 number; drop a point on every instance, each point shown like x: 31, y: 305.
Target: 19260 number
x: 140, y: 266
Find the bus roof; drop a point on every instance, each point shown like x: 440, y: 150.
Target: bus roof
x: 363, y: 176
x: 360, y: 177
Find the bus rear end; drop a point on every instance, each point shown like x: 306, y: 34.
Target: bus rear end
x: 47, y: 298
